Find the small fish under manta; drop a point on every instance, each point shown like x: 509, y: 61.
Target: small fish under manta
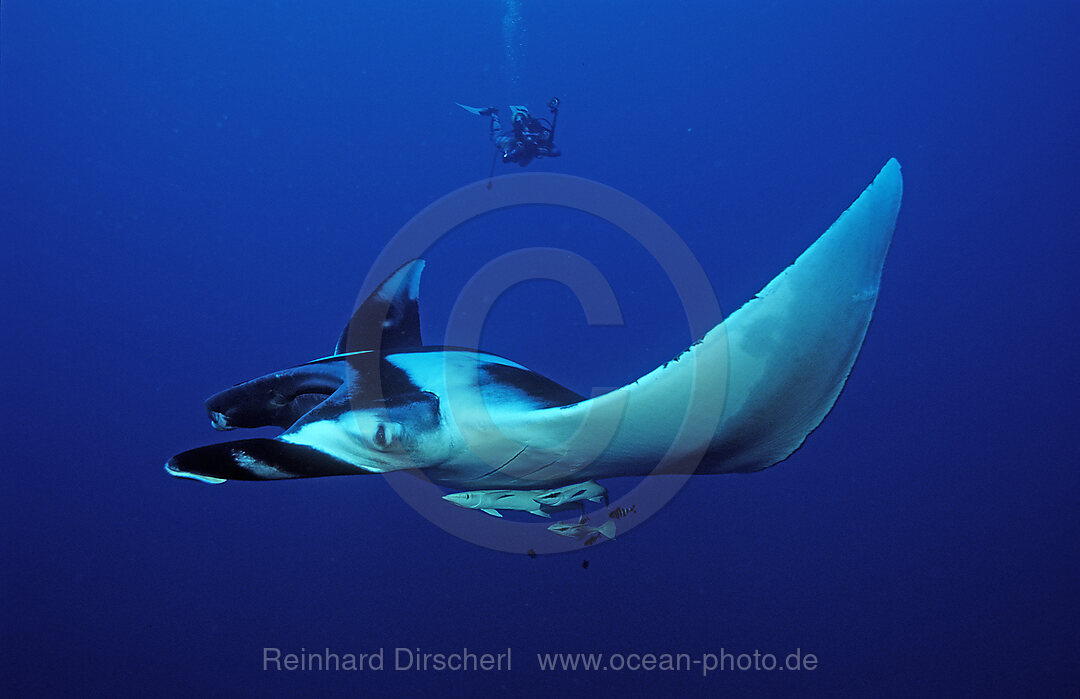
x: 476, y: 422
x: 583, y: 532
x: 538, y: 502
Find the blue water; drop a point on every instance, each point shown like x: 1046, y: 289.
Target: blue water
x: 192, y: 193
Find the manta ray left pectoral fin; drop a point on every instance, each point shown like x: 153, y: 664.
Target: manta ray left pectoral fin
x: 747, y: 394
x: 493, y: 513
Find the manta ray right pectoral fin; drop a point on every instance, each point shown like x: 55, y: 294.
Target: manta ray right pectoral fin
x: 493, y: 513
x: 389, y: 318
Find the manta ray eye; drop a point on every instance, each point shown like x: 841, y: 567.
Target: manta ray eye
x: 384, y: 436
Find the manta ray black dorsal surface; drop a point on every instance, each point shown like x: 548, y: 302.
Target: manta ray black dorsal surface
x: 388, y: 319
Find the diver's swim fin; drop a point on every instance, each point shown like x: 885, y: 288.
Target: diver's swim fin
x: 478, y: 111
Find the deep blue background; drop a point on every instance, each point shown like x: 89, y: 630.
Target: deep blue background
x: 192, y: 192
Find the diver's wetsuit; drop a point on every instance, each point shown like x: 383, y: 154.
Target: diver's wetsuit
x: 528, y: 139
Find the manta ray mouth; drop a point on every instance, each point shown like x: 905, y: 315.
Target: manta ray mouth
x: 219, y: 422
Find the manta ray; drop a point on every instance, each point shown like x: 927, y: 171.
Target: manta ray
x: 740, y: 399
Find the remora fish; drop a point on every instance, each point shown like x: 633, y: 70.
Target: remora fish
x: 589, y: 490
x: 491, y: 501
x: 586, y: 534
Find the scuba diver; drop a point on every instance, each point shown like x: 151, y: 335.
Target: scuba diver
x: 527, y: 139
